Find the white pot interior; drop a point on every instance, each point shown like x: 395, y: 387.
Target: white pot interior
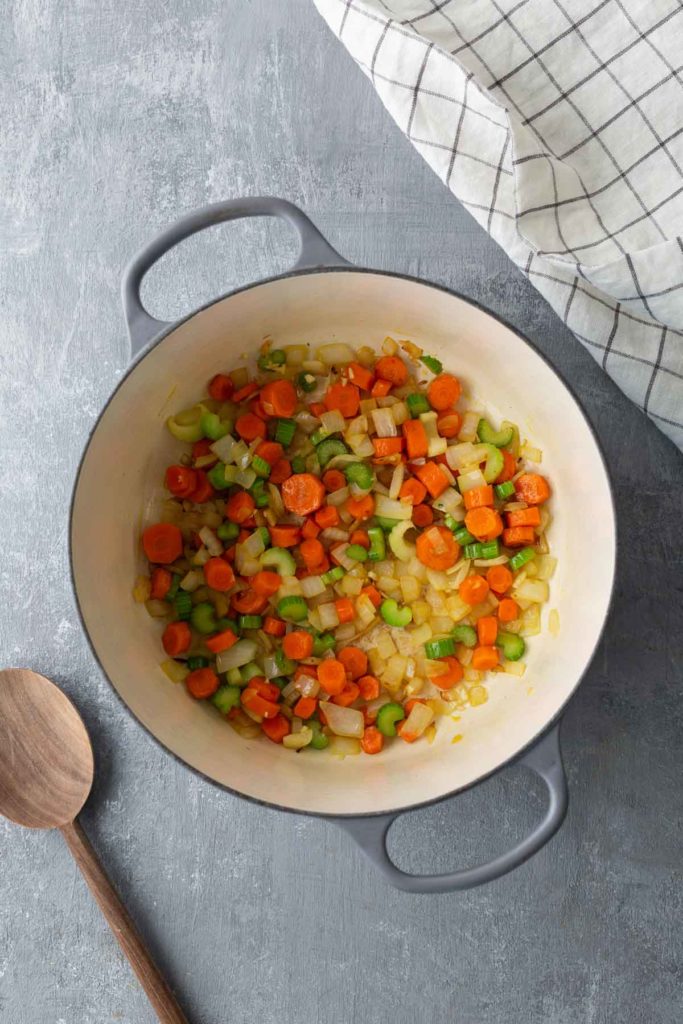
x: 130, y: 448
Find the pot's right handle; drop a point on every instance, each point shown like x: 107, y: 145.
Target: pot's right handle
x: 545, y: 759
x: 315, y: 251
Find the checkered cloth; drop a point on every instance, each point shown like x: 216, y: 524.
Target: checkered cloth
x: 559, y: 125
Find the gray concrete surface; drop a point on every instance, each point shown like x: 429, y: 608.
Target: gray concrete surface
x: 117, y: 116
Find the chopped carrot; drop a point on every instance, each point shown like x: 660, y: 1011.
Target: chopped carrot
x: 298, y: 645
x: 380, y: 389
x: 437, y: 548
x: 451, y: 676
x: 264, y: 689
x: 222, y: 641
x: 253, y: 701
x: 273, y: 626
x: 257, y: 408
x: 361, y: 538
x: 266, y: 583
x: 310, y: 529
x: 249, y: 426
x: 354, y: 661
x: 221, y: 387
x: 499, y: 578
x: 369, y: 687
x: 519, y: 536
x: 373, y: 593
x: 415, y: 436
x: 443, y: 392
x: 487, y: 630
x: 360, y: 376
x: 344, y: 606
x: 524, y: 517
x: 361, y: 508
x: 508, y: 610
x: 202, y: 683
x: 532, y: 488
x: 180, y: 480
x: 305, y: 707
x: 312, y: 552
x: 249, y: 603
x: 303, y: 493
x: 200, y: 449
x: 284, y: 536
x: 176, y: 638
x: 473, y: 590
x: 509, y: 467
x: 423, y: 515
x: 334, y: 480
x: 478, y: 497
x: 270, y: 451
x: 372, y: 740
x: 393, y: 369
x: 332, y: 676
x: 317, y: 408
x: 343, y: 397
x: 347, y: 696
x: 410, y: 704
x: 276, y: 728
x: 413, y: 491
x: 305, y: 670
x: 279, y: 398
x: 203, y: 491
x: 239, y: 507
x: 484, y: 658
x: 433, y: 477
x: 327, y: 516
x: 387, y: 446
x: 280, y: 471
x: 162, y: 542
x: 484, y: 523
x: 218, y: 574
x: 161, y: 580
x: 248, y: 389
x: 448, y: 423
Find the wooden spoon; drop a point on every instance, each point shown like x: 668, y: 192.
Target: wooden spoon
x: 46, y: 772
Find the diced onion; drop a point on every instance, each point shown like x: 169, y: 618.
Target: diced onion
x: 532, y: 590
x: 391, y: 509
x: 554, y: 622
x: 359, y: 425
x: 276, y: 503
x: 417, y: 721
x: 239, y: 654
x: 384, y: 423
x: 298, y: 740
x: 191, y: 580
x: 335, y: 355
x: 343, y: 746
x: 333, y: 422
x: 312, y: 586
x: 343, y: 721
x: 224, y: 448
x: 210, y: 541
x: 175, y: 670
x: 308, y: 686
x: 295, y: 354
x: 307, y: 421
x: 467, y: 481
x: 338, y: 497
x: 396, y: 481
x: 460, y: 455
x: 470, y: 422
x: 449, y: 501
x: 245, y: 478
x: 241, y: 455
x: 361, y: 446
x: 530, y: 453
x: 328, y: 615
x: 339, y: 555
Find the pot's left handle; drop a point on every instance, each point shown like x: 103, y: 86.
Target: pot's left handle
x: 315, y: 251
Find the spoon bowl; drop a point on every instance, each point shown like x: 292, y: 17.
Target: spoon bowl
x: 46, y: 758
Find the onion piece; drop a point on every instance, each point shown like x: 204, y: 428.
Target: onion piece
x: 384, y: 423
x: 343, y: 721
x: 210, y: 541
x: 335, y: 354
x: 343, y: 746
x: 192, y: 580
x: 396, y: 481
x: 307, y: 421
x: 390, y: 509
x: 333, y: 422
x: 312, y: 586
x: 239, y: 654
x: 467, y: 481
x: 224, y: 448
x: 338, y: 497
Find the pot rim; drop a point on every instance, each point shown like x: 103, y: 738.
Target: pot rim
x: 166, y: 330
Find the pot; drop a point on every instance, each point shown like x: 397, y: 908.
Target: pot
x: 325, y: 298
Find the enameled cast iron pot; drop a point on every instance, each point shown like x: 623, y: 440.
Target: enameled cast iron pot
x: 324, y: 298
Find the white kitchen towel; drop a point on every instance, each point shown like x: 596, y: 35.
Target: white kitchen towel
x: 559, y: 125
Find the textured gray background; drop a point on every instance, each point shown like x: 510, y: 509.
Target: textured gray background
x: 117, y: 116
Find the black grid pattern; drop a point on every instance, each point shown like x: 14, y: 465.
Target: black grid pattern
x: 558, y: 124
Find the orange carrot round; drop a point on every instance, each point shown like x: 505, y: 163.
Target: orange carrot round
x: 180, y: 481
x: 334, y: 480
x: 280, y: 471
x: 218, y: 574
x: 161, y: 580
x: 332, y: 676
x: 312, y: 552
x: 499, y: 578
x: 478, y: 497
x: 221, y: 387
x: 354, y: 661
x: 372, y: 741
x: 519, y: 536
x: 305, y: 707
x: 285, y: 536
x: 276, y: 728
x: 176, y: 638
x: 249, y: 603
x: 361, y: 508
x: 278, y: 398
x: 422, y: 515
x: 239, y: 507
x: 303, y: 493
x: 532, y: 488
x: 473, y: 590
x: 416, y: 439
x: 484, y: 523
x: 487, y: 630
x: 360, y: 537
x: 448, y: 423
x: 298, y: 645
x: 524, y: 517
x: 413, y: 491
x: 484, y: 658
x: 508, y: 610
x: 393, y: 369
x: 162, y: 542
x: 202, y: 683
x: 369, y: 687
x: 266, y: 583
x: 249, y: 427
x: 437, y: 548
x: 343, y: 397
x: 347, y: 696
x: 451, y: 676
x: 509, y: 467
x: 222, y: 641
x: 443, y: 392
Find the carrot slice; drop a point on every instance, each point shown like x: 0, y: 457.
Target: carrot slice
x: 276, y: 728
x: 222, y: 641
x: 273, y: 626
x: 303, y: 493
x: 280, y: 471
x: 344, y: 606
x: 310, y: 529
x: 244, y: 392
x: 509, y: 467
x: 360, y: 537
x: 369, y: 687
x: 415, y: 436
x: 162, y: 542
x: 437, y: 548
x: 161, y: 580
x: 239, y: 507
x: 508, y: 610
x: 176, y: 638
x: 451, y: 676
x: 202, y: 683
x: 532, y: 488
x: 271, y: 451
x: 478, y: 497
x: 334, y: 480
x: 473, y: 590
x: 253, y: 701
x: 279, y: 398
x: 266, y: 583
x: 448, y: 423
x: 443, y: 392
x: 413, y: 491
x: 343, y: 397
x: 347, y: 695
x: 354, y: 661
x: 433, y: 477
x: 332, y: 676
x: 484, y: 658
x: 499, y: 578
x: 423, y: 515
x: 326, y: 517
x: 360, y: 376
x: 249, y: 603
x: 361, y: 508
x: 203, y: 491
x: 305, y: 707
x: 373, y: 593
x: 298, y: 645
x: 484, y: 523
x: 524, y: 517
x: 218, y: 574
x: 393, y: 369
x: 387, y: 446
x: 284, y: 536
x: 381, y: 388
x: 180, y: 480
x: 487, y: 630
x: 519, y: 536
x: 249, y: 426
x: 221, y: 387
x: 312, y: 552
x: 372, y: 741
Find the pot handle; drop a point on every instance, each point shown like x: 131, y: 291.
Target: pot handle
x: 545, y: 759
x: 315, y: 251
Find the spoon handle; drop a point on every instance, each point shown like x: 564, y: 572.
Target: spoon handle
x: 121, y: 923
